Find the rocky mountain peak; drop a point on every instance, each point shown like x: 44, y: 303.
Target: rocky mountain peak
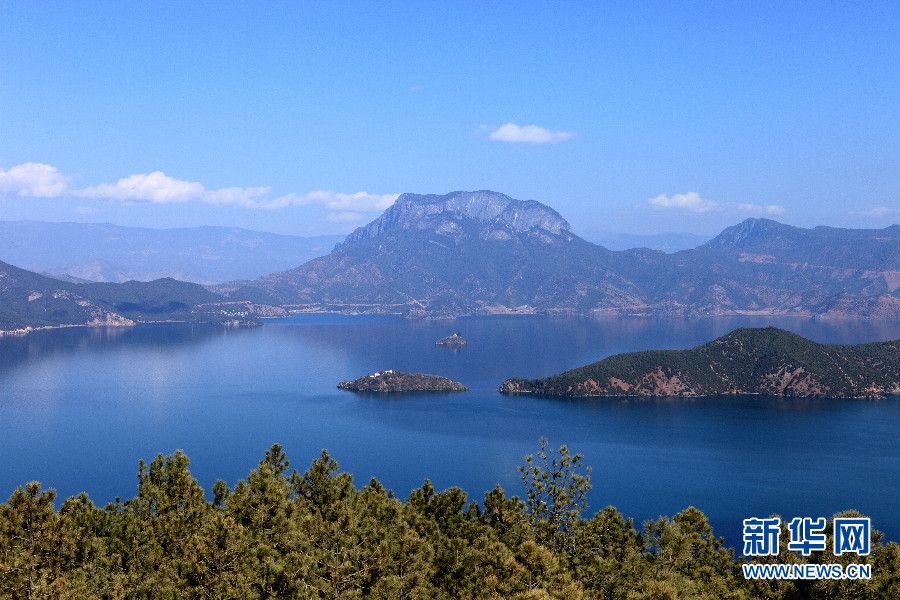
x: 753, y: 232
x: 422, y: 211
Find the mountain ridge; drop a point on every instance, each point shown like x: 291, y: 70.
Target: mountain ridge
x: 461, y: 253
x: 768, y: 240
x: 483, y: 252
x: 471, y: 253
x: 409, y: 210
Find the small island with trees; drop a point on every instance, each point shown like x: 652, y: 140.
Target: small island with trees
x: 767, y: 361
x: 395, y: 381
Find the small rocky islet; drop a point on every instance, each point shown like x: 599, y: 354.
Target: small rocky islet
x: 453, y: 342
x: 396, y: 381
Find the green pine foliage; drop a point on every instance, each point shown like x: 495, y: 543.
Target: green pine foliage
x: 315, y: 535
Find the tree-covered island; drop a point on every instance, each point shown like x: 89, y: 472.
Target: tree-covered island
x: 746, y: 361
x: 397, y: 381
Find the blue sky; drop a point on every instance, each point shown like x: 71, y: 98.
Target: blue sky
x: 308, y: 118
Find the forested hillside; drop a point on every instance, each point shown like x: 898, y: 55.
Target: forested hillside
x: 766, y: 360
x: 30, y: 300
x: 284, y: 534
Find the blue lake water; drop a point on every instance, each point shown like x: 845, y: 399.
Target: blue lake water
x: 79, y: 407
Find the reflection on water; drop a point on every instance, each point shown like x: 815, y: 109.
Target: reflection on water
x: 80, y: 406
x: 50, y: 343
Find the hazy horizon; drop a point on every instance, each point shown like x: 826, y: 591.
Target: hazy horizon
x: 586, y: 231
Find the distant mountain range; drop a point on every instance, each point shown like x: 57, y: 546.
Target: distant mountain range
x: 104, y: 252
x: 468, y: 253
x: 484, y: 252
x: 746, y: 361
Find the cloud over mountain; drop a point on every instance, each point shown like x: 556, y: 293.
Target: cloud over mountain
x: 360, y: 201
x: 36, y: 180
x: 159, y: 188
x: 691, y: 202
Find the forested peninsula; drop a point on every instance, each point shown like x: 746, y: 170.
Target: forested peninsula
x: 746, y: 361
x: 30, y: 301
x: 289, y: 535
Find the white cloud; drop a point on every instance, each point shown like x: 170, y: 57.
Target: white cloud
x: 529, y: 134
x: 880, y: 211
x: 247, y: 197
x: 33, y: 180
x: 360, y: 201
x: 156, y: 187
x: 691, y: 202
x: 159, y: 188
x: 87, y: 210
x: 769, y: 209
x: 44, y: 181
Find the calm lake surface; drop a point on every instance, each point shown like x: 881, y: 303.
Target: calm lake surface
x: 79, y: 407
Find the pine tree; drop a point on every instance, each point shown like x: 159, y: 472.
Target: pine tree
x: 555, y: 494
x: 29, y: 543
